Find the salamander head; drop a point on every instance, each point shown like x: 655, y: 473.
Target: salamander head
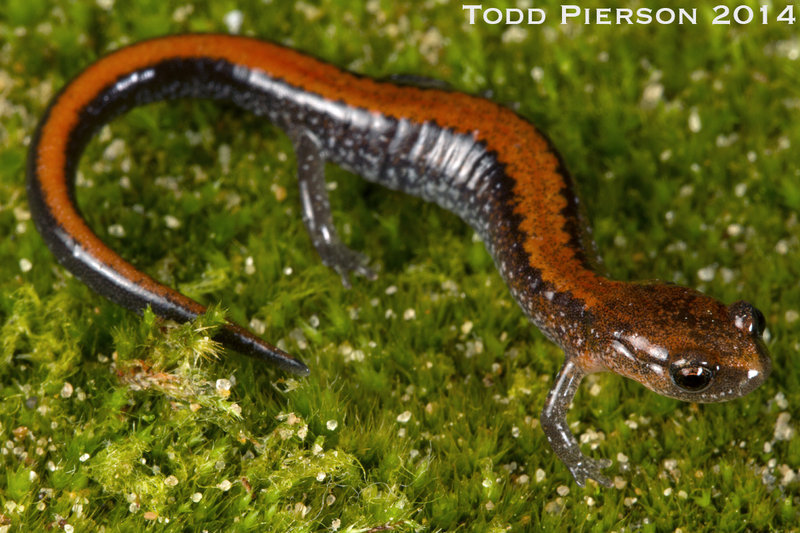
x: 683, y: 344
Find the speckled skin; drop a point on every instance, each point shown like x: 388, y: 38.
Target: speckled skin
x: 471, y: 156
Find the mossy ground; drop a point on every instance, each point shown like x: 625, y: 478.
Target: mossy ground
x: 421, y: 409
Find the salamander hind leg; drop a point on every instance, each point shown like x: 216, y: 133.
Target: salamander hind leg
x: 317, y: 215
x: 554, y: 424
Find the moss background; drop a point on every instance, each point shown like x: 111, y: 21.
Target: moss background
x: 421, y: 410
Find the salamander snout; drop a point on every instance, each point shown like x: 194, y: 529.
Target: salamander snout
x: 750, y: 321
x: 689, y: 346
x: 734, y: 370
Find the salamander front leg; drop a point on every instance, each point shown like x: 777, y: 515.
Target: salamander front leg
x: 317, y: 211
x: 554, y: 423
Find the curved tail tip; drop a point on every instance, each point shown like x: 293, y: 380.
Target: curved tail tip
x: 245, y: 342
x: 298, y: 368
x: 287, y: 363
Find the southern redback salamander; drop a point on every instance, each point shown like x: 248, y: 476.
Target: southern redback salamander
x: 480, y: 160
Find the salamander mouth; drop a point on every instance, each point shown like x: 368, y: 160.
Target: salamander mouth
x: 748, y: 380
x: 725, y: 395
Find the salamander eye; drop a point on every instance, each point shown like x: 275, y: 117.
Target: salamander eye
x: 747, y: 318
x: 692, y: 377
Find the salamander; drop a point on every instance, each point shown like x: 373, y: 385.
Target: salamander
x: 488, y: 165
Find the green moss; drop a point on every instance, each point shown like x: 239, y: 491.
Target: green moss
x: 421, y: 412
